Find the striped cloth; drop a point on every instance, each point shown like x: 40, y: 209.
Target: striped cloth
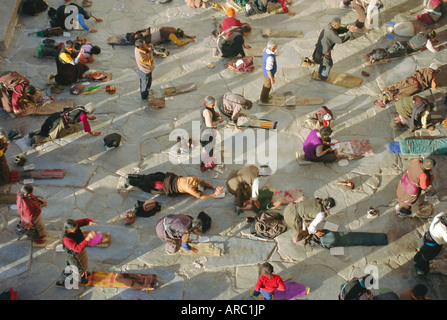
x: 122, y: 280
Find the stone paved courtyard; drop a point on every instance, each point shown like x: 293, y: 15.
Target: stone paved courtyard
x: 89, y: 189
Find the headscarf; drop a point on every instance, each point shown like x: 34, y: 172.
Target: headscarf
x: 231, y: 12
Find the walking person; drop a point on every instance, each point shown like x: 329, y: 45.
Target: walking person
x: 433, y: 240
x: 145, y: 63
x: 74, y: 243
x: 331, y: 35
x: 30, y: 209
x: 269, y: 67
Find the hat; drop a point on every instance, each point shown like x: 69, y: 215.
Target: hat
x: 231, y: 12
x: 90, y: 107
x: 428, y: 163
x: 434, y: 66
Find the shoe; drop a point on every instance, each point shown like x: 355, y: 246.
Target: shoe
x: 419, y: 272
x: 372, y: 213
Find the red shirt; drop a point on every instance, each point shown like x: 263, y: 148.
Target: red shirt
x: 72, y: 244
x: 28, y: 208
x: 230, y: 22
x: 270, y: 284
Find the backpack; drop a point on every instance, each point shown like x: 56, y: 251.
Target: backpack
x: 269, y: 224
x: 354, y: 288
x: 147, y: 208
x: 112, y: 140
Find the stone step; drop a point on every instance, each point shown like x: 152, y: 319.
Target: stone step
x: 9, y: 11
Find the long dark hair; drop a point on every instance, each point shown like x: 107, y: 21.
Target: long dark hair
x: 243, y: 193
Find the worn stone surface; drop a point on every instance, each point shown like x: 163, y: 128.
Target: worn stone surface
x: 89, y: 188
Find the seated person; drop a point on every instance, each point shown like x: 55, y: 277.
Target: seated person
x: 159, y: 35
x: 317, y: 147
x: 413, y: 112
x: 70, y: 69
x: 403, y: 48
x: 58, y: 17
x: 170, y: 184
x: 231, y: 43
x: 53, y: 127
x: 232, y: 105
x: 432, y: 12
x: 14, y: 88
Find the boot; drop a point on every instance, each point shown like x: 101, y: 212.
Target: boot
x: 264, y: 94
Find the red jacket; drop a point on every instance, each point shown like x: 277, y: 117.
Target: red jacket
x: 28, y: 208
x: 270, y: 284
x: 71, y: 243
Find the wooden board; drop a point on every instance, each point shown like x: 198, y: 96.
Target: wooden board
x: 8, y: 198
x: 173, y: 91
x: 339, y: 79
x: 272, y: 33
x: 107, y: 78
x: 281, y: 101
x: 366, y: 61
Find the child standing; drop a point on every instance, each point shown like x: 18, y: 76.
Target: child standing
x: 268, y: 282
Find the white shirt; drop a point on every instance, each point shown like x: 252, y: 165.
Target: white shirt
x: 438, y: 231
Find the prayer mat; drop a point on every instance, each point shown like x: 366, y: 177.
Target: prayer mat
x: 8, y: 198
x: 351, y: 239
x: 173, y: 91
x: 353, y: 149
x: 205, y: 249
x: 92, y: 77
x: 271, y: 33
x: 256, y: 123
x: 254, y: 52
x: 419, y: 146
x: 294, y: 290
x: 43, y: 174
x: 339, y: 79
x: 45, y: 108
x: 281, y: 101
x: 122, y: 280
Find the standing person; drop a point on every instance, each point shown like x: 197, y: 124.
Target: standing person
x: 269, y: 67
x: 69, y: 67
x: 210, y: 119
x: 5, y: 172
x: 304, y: 216
x: 434, y: 238
x: 422, y: 79
x: 268, y: 282
x: 174, y: 231
x: 329, y: 37
x: 145, y: 63
x: 74, y: 244
x: 317, y: 147
x: 30, y: 208
x: 419, y: 176
x: 418, y: 292
x: 364, y: 9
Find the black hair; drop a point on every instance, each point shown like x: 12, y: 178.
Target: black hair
x: 325, y: 131
x: 26, y: 189
x: 329, y: 202
x: 52, y: 12
x: 139, y: 43
x: 31, y: 90
x: 180, y: 33
x: 420, y: 290
x: 245, y: 28
x: 96, y: 50
x: 201, y: 186
x: 77, y: 45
